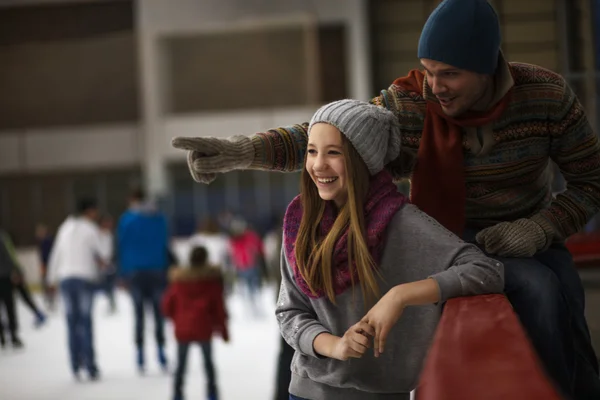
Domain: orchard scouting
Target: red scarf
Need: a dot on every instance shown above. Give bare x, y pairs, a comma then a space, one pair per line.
383, 201
438, 184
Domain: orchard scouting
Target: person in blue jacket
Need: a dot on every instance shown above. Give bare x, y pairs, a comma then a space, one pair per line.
143, 261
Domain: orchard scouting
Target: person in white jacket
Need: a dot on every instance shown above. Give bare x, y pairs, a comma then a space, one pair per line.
75, 263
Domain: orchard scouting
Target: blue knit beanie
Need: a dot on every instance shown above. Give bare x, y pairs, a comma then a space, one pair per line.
464, 34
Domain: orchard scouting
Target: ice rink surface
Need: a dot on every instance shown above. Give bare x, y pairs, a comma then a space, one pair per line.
245, 365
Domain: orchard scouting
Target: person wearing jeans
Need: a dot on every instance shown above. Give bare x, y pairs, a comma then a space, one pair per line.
143, 259
556, 324
147, 287
78, 297
75, 262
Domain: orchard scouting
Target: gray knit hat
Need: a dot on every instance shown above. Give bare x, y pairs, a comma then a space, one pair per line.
373, 131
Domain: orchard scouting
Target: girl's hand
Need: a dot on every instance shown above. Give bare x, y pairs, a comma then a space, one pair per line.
383, 316
354, 343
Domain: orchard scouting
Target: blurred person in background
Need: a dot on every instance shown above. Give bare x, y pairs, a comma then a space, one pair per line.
9, 273
109, 274
247, 256
143, 259
21, 286
76, 260
44, 246
272, 250
195, 303
224, 219
478, 133
216, 242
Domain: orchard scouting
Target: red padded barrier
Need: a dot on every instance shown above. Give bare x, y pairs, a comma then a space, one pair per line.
585, 248
480, 351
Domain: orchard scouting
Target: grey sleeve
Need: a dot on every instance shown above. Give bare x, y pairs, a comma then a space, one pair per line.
462, 268
297, 320
470, 273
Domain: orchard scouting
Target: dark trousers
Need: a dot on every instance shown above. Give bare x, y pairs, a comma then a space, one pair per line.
79, 298
7, 301
209, 368
147, 288
547, 294
108, 287
23, 290
284, 371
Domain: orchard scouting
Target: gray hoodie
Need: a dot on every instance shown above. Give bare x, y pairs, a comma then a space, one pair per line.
417, 247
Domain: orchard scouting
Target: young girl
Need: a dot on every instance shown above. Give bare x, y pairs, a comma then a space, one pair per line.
349, 239
194, 301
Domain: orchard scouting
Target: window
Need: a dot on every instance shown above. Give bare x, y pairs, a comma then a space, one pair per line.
27, 200
67, 64
258, 68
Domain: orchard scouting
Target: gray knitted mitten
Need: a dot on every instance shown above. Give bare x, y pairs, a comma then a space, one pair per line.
521, 238
208, 156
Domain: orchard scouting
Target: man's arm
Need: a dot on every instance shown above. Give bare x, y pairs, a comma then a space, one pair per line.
406, 107
280, 149
283, 149
575, 148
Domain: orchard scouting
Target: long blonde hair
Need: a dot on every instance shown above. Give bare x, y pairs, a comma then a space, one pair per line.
314, 254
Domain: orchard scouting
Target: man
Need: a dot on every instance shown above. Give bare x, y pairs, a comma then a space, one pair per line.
143, 260
477, 136
75, 262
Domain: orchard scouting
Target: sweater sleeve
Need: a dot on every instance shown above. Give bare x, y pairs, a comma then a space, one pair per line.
575, 148
297, 320
280, 149
470, 273
459, 268
283, 149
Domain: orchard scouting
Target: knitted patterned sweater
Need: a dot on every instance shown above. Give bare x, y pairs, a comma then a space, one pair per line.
507, 171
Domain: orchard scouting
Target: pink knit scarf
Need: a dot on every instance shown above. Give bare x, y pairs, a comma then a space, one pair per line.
383, 201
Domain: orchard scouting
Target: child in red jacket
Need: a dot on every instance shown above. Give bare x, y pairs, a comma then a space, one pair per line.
194, 301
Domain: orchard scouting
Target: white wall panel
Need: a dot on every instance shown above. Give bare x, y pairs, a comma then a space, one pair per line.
227, 124
9, 152
84, 147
